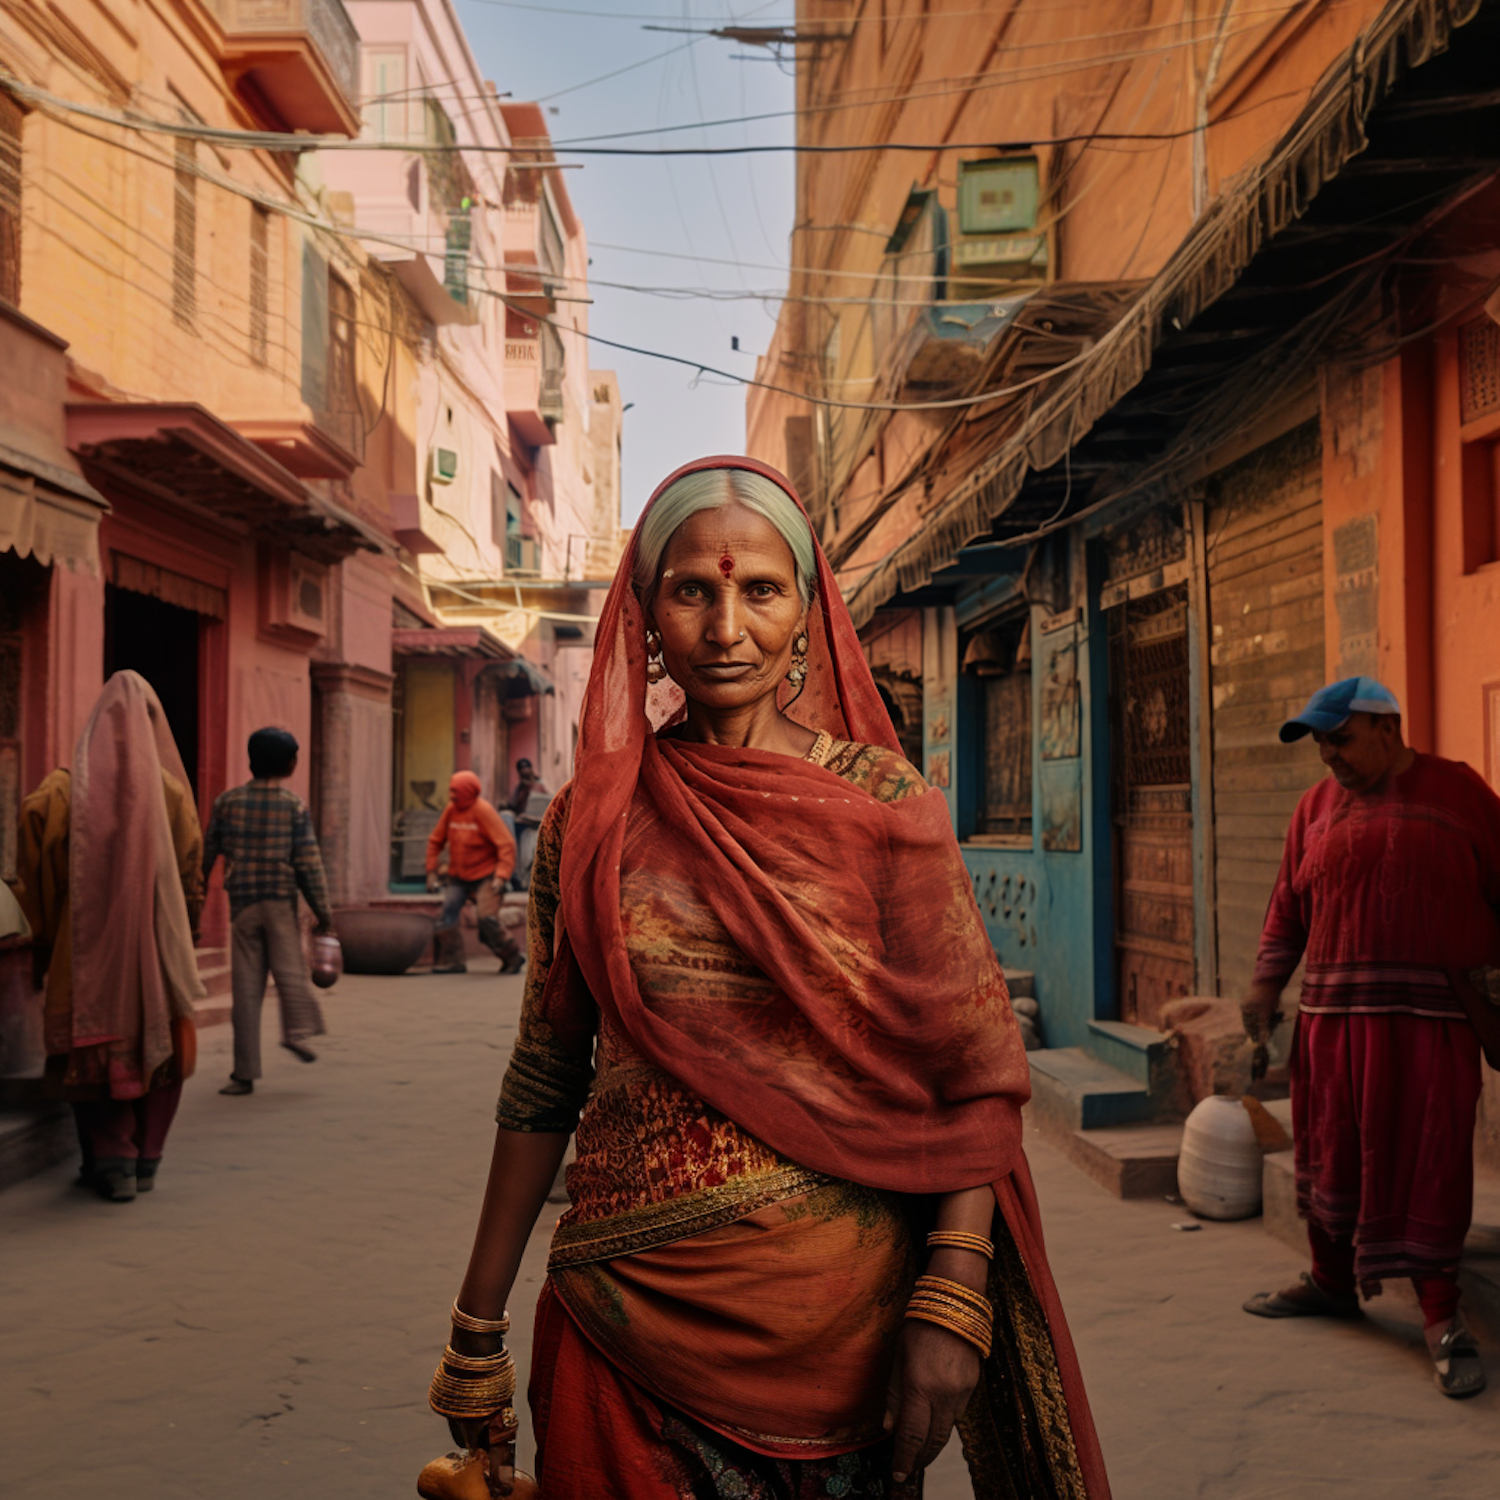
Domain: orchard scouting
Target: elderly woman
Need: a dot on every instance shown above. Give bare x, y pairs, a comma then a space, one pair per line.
802, 1241
109, 858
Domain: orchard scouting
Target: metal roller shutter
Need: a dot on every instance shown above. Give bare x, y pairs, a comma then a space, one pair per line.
1264, 543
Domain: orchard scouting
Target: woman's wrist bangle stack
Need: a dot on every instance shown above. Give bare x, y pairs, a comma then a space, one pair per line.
960, 1239
471, 1324
468, 1385
959, 1309
474, 1385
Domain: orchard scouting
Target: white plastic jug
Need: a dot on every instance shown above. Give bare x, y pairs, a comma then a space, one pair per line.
1219, 1168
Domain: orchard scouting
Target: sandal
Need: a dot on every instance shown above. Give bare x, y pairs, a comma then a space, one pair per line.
1308, 1300
1459, 1372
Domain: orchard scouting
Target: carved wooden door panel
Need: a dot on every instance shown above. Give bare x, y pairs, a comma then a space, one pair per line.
1153, 803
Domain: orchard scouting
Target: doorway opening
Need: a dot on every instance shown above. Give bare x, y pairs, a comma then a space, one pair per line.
162, 642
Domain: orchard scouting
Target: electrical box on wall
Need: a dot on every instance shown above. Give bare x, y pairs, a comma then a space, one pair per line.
1001, 239
294, 598
442, 465
998, 196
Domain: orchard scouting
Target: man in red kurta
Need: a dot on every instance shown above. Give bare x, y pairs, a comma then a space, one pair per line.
1390, 882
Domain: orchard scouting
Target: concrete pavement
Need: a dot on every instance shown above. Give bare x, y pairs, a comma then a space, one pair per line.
265, 1323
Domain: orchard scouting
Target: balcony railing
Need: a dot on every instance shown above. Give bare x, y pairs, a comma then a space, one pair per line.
264, 37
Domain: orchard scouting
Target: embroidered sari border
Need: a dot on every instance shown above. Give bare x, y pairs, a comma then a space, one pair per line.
653, 1224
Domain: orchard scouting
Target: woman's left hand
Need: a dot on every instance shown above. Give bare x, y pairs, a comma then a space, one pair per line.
933, 1376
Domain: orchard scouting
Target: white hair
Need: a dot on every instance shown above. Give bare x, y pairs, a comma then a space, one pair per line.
711, 489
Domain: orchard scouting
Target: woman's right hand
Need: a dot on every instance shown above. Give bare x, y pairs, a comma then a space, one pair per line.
495, 1436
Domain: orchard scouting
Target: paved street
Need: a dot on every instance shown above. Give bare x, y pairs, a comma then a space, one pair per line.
265, 1323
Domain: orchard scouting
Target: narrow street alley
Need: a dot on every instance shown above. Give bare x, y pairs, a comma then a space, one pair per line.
265, 1323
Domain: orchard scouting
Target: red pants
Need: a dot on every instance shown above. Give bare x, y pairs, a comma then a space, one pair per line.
126, 1129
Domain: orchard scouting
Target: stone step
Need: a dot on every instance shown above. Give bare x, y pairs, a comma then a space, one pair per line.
1081, 1093
1130, 1161
1479, 1273
1139, 1052
31, 1140
214, 970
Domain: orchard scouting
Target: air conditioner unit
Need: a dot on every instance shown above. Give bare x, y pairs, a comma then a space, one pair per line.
294, 597
442, 465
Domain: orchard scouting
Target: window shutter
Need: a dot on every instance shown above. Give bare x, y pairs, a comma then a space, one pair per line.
314, 328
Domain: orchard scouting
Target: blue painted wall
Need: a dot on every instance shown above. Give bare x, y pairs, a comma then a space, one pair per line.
1047, 911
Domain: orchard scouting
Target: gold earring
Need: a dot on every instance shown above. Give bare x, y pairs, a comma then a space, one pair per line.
655, 671
799, 661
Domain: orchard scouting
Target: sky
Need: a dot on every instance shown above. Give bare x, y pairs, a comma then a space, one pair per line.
736, 210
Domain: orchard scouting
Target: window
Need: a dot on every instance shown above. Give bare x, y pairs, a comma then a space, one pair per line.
341, 373
185, 236
456, 256
999, 658
10, 200
1479, 414
260, 283
515, 551
551, 403
314, 328
551, 248
386, 95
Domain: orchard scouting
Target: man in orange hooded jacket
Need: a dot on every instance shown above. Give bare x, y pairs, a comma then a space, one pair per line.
481, 856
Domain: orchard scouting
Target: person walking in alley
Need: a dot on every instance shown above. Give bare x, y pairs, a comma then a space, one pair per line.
522, 815
802, 1239
265, 834
108, 859
1390, 890
481, 856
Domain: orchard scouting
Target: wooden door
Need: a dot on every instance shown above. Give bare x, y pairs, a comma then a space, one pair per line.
1153, 803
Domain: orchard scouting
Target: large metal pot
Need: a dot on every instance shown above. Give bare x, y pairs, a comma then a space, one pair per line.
382, 942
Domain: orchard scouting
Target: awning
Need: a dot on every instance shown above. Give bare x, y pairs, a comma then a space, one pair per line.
48, 510
183, 454
522, 678
1331, 131
451, 640
48, 513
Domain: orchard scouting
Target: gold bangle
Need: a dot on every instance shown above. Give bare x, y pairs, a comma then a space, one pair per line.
964, 1331
484, 1364
946, 1288
934, 1301
960, 1239
449, 1396
471, 1324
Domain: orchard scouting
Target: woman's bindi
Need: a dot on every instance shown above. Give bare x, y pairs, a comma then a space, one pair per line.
726, 565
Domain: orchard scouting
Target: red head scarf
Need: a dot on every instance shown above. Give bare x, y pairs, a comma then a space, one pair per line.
886, 1052
464, 789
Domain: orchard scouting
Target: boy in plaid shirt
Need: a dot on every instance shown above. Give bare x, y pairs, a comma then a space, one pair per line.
266, 836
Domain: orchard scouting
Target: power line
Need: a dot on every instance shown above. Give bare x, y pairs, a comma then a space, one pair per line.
281, 141
512, 302
954, 403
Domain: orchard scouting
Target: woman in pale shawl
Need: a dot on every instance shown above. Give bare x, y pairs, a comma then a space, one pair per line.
109, 862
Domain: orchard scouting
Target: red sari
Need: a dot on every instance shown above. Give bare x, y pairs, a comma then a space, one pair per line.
803, 1037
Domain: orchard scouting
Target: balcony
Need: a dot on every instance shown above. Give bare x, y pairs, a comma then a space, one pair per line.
294, 62
525, 383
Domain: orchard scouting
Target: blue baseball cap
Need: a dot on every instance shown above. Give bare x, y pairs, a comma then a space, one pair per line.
1330, 707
